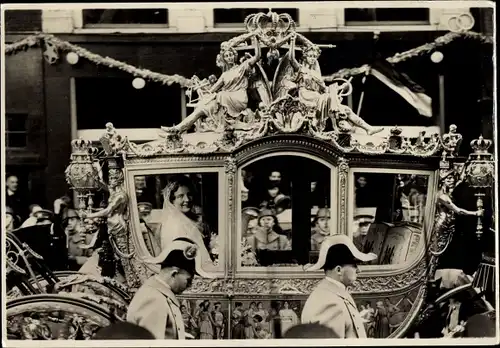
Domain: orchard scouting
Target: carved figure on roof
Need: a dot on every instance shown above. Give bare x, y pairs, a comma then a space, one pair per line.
313, 92
227, 100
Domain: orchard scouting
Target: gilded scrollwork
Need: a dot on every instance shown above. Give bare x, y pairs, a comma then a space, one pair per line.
50, 317
343, 172
203, 285
230, 168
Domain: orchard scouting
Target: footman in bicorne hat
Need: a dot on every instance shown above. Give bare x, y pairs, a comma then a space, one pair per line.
155, 305
330, 303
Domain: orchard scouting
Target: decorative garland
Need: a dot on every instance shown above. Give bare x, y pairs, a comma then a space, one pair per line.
35, 40
414, 52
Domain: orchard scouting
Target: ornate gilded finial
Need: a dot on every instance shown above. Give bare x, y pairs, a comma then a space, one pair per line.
81, 146
479, 174
481, 146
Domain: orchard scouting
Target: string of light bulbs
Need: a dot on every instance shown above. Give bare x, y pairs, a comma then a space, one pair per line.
74, 52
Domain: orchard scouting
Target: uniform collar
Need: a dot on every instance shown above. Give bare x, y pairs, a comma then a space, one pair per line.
341, 290
336, 283
164, 288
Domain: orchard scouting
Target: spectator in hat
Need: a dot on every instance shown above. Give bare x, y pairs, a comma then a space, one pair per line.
250, 220
330, 304
321, 228
363, 219
267, 235
14, 199
47, 237
11, 221
31, 220
155, 305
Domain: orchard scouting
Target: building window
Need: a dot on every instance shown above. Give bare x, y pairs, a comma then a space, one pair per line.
234, 17
23, 20
386, 16
150, 17
108, 99
16, 130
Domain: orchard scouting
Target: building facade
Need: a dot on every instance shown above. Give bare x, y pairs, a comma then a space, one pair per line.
48, 105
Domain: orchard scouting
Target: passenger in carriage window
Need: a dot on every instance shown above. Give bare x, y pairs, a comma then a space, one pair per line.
268, 235
363, 194
320, 229
180, 192
318, 197
274, 187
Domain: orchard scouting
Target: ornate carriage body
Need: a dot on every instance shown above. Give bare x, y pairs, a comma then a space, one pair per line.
282, 137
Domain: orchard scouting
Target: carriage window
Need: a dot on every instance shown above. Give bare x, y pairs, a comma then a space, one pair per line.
285, 210
388, 214
192, 209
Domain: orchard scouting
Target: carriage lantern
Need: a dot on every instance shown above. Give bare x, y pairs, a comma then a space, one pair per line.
479, 173
83, 173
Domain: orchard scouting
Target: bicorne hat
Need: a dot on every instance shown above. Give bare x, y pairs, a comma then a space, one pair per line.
184, 254
339, 249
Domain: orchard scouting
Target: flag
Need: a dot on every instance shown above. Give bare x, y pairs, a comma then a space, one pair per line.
403, 85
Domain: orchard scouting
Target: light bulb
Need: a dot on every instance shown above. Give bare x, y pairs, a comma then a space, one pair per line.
138, 83
72, 58
437, 57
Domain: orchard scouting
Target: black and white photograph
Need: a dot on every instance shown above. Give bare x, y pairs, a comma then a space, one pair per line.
287, 172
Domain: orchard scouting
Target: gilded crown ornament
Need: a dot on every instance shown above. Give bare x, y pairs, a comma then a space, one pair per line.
481, 146
84, 174
81, 146
479, 174
480, 164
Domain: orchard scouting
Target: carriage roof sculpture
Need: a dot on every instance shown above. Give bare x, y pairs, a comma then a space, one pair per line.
242, 115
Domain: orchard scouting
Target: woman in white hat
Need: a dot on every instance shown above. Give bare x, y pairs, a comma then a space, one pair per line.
155, 305
330, 304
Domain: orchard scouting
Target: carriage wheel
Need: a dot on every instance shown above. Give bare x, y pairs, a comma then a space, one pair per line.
101, 290
50, 317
